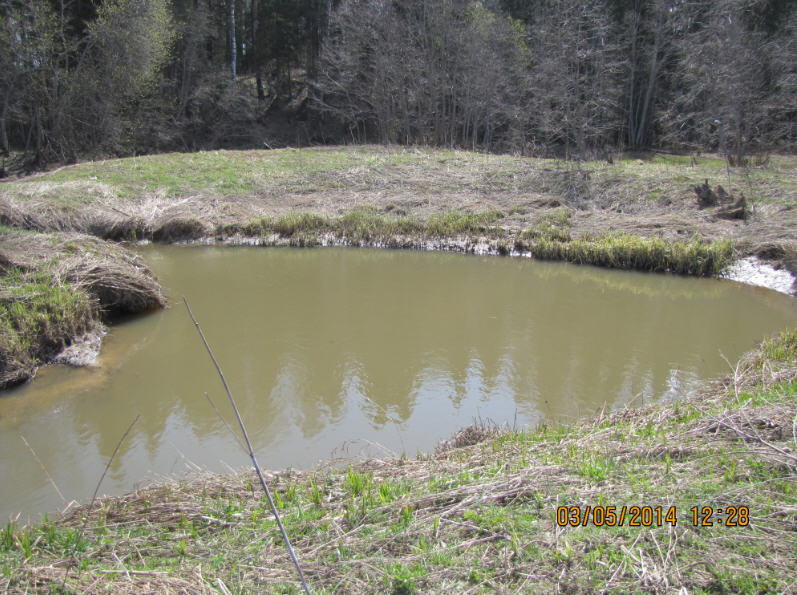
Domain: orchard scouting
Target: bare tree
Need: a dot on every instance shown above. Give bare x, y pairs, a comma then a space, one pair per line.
492, 97
722, 80
782, 102
233, 46
415, 71
647, 40
575, 77
70, 93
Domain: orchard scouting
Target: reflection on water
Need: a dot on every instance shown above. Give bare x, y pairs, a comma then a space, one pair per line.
397, 348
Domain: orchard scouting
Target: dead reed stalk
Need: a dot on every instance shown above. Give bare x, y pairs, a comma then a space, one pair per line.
251, 452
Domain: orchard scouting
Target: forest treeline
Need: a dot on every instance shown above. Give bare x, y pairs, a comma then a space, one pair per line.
574, 78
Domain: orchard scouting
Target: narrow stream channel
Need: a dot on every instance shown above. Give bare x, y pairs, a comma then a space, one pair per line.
339, 352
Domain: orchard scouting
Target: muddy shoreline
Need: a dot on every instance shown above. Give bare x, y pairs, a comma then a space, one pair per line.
120, 282
74, 230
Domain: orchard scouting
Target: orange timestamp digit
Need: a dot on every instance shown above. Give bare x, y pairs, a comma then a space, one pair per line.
730, 516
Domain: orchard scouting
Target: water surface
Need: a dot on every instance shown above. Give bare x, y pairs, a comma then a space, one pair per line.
335, 352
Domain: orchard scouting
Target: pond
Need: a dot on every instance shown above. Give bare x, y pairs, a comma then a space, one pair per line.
344, 352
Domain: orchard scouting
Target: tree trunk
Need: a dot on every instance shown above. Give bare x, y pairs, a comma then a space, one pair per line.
632, 112
233, 45
740, 135
38, 136
261, 95
3, 136
653, 75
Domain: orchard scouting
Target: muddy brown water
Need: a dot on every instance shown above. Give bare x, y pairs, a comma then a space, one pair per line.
345, 352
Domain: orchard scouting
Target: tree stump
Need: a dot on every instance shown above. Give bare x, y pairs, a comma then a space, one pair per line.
736, 210
729, 207
706, 197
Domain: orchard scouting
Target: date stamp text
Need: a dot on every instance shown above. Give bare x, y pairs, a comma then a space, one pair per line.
650, 516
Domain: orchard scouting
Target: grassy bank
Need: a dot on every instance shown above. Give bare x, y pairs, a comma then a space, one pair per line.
367, 225
638, 214
421, 172
38, 319
55, 287
478, 515
466, 231
551, 239
403, 196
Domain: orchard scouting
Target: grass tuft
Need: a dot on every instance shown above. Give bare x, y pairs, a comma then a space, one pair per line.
38, 318
551, 226
454, 223
782, 348
367, 225
625, 251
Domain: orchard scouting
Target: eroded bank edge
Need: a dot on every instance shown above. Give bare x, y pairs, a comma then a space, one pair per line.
104, 279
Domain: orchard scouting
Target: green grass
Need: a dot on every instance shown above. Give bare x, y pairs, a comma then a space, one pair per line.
395, 196
482, 517
549, 239
782, 348
373, 168
625, 251
225, 173
38, 318
454, 223
367, 225
551, 226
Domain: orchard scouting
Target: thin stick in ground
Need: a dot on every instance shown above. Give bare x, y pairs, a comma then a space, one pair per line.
94, 499
251, 452
47, 473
